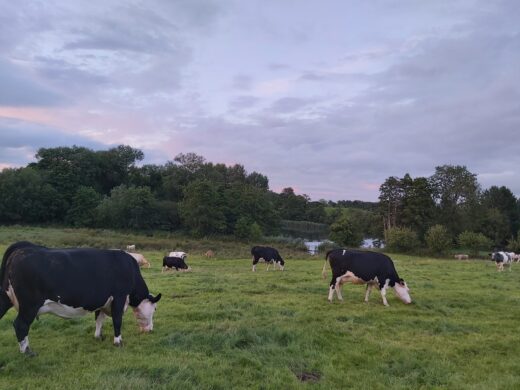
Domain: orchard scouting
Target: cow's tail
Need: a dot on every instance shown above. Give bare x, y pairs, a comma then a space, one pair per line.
324, 271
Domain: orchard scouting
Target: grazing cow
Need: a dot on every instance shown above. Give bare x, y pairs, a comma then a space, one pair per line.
502, 259
209, 254
171, 262
141, 260
370, 268
180, 254
267, 254
130, 248
462, 257
70, 283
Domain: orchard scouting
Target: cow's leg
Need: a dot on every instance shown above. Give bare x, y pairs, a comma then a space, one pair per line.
255, 262
338, 288
100, 318
383, 293
21, 325
118, 309
5, 303
268, 265
367, 293
331, 289
331, 293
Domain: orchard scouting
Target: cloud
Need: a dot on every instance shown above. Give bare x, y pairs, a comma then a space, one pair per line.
19, 87
19, 141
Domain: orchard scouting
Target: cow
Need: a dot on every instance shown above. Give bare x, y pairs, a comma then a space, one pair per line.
130, 248
269, 255
182, 255
140, 259
462, 257
502, 259
70, 283
171, 262
209, 254
364, 267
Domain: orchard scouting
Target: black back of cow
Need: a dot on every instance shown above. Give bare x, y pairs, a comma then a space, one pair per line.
365, 265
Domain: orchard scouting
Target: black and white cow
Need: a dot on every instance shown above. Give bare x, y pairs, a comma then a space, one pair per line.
70, 283
502, 259
171, 262
269, 255
360, 267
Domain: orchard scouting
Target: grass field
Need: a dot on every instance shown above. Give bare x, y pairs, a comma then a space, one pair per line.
225, 327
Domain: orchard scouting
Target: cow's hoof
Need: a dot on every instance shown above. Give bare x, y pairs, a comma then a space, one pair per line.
100, 338
30, 353
119, 345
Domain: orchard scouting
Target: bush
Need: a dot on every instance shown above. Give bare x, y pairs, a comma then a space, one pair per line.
246, 230
474, 242
401, 240
438, 240
514, 244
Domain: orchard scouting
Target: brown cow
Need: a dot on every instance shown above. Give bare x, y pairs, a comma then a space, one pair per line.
462, 257
140, 259
209, 254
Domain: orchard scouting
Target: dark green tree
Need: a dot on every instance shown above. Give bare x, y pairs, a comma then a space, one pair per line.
82, 211
202, 208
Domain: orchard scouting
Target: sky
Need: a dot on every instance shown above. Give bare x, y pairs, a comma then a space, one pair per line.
329, 97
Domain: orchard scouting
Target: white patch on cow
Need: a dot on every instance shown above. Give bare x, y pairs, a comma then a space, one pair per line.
254, 267
61, 310
337, 287
24, 344
403, 292
118, 340
383, 292
281, 266
99, 324
12, 296
344, 251
144, 315
64, 311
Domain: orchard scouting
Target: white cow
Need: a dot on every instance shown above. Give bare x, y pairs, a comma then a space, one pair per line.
130, 248
179, 254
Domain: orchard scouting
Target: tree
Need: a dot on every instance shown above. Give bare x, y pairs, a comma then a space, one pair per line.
391, 200
344, 232
128, 207
504, 201
438, 240
83, 207
202, 209
26, 197
247, 230
456, 193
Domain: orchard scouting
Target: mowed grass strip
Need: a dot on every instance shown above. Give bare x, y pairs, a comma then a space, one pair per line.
223, 326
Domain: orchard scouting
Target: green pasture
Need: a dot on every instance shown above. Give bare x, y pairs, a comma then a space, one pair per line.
225, 327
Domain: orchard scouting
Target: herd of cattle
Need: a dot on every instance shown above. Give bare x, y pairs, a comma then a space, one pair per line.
38, 280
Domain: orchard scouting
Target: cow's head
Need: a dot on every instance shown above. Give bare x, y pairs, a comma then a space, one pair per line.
402, 291
144, 312
183, 265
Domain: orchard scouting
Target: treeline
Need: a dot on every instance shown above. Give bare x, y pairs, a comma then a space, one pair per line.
444, 211
79, 187
448, 209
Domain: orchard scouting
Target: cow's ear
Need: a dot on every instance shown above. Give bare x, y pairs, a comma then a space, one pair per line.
156, 299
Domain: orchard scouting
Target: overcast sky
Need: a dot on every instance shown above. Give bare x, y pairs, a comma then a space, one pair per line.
330, 97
